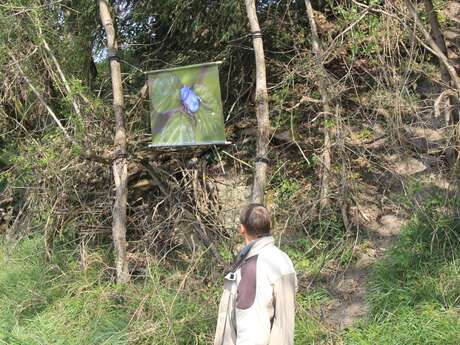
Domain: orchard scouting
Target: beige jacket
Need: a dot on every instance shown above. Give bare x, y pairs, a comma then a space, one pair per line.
258, 303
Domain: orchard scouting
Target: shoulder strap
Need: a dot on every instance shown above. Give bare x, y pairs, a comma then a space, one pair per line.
241, 256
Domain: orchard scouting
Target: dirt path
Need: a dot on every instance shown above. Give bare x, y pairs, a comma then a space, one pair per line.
378, 215
348, 288
380, 223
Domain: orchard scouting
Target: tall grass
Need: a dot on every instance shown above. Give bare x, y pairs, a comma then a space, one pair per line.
60, 303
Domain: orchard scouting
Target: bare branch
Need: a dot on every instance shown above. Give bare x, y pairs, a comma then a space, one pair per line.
325, 98
42, 100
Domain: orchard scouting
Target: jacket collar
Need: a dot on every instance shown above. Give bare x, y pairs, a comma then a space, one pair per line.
251, 249
257, 245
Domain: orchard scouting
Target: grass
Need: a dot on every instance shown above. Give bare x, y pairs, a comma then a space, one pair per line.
59, 303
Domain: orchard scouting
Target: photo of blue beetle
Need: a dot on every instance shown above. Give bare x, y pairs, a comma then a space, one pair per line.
190, 100
185, 106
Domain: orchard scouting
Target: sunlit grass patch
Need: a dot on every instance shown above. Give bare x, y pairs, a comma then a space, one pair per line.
427, 324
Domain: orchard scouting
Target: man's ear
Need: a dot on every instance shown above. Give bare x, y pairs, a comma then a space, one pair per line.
243, 229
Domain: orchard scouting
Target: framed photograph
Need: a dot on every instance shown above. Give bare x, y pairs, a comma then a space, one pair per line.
185, 106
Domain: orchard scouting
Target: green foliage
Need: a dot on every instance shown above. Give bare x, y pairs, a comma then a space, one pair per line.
225, 253
329, 123
416, 265
365, 133
326, 245
297, 253
287, 188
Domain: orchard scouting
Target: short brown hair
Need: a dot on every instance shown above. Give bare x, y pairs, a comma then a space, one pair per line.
256, 220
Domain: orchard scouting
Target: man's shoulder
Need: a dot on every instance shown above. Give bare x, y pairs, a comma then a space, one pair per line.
275, 262
274, 251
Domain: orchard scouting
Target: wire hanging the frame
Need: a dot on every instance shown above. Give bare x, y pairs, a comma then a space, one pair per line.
256, 34
113, 54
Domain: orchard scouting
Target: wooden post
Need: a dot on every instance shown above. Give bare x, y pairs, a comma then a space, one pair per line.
323, 90
262, 110
120, 163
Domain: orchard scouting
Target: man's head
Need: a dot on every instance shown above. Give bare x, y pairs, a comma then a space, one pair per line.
255, 221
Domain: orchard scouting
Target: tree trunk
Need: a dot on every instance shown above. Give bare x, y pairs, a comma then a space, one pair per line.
437, 34
439, 39
323, 90
120, 163
262, 110
434, 48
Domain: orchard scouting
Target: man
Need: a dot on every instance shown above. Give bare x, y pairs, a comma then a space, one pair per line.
258, 303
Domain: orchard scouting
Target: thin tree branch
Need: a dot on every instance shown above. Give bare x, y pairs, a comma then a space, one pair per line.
88, 153
42, 101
